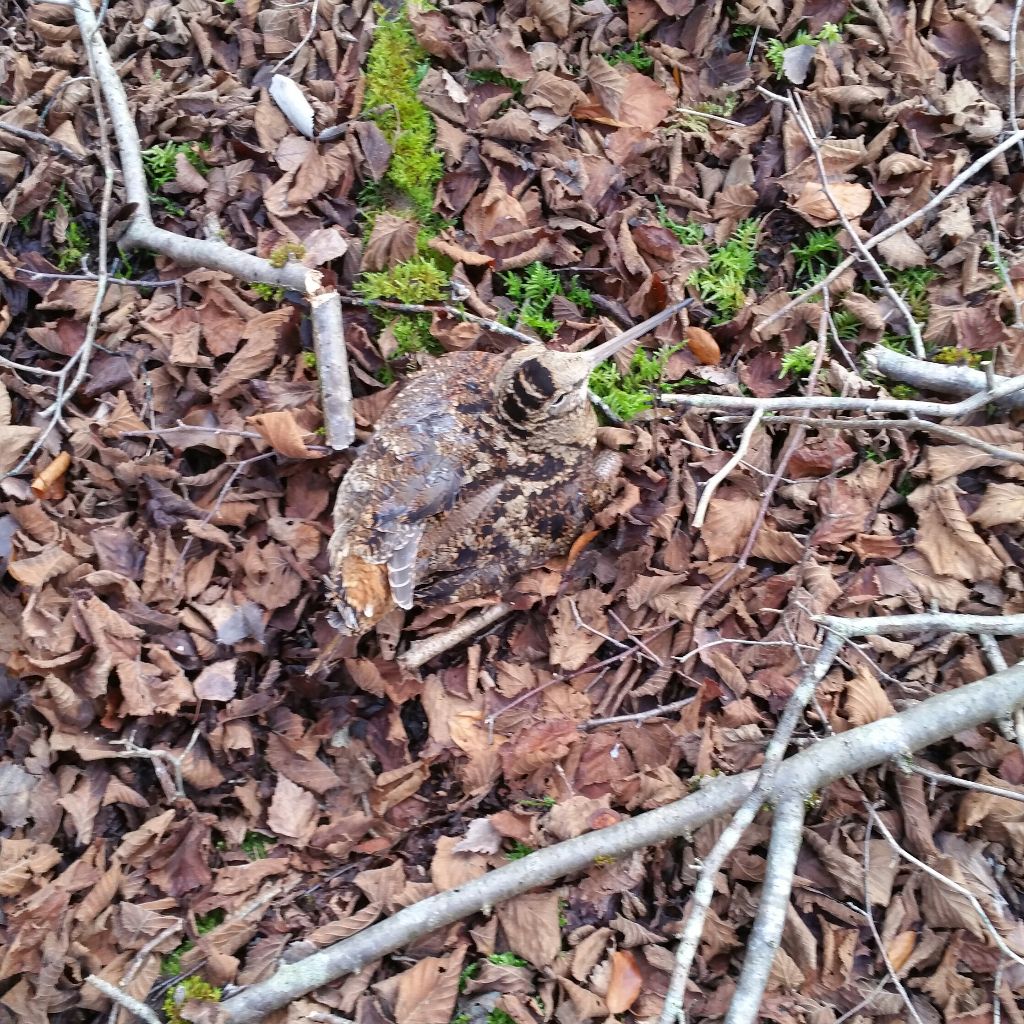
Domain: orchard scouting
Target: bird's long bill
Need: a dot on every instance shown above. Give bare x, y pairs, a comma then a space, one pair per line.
609, 348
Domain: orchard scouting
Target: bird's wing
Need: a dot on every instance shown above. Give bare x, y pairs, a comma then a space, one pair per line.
411, 470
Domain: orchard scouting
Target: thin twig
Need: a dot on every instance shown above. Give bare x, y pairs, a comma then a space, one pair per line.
710, 117
1012, 90
787, 833
798, 112
737, 457
945, 880
640, 716
674, 1008
869, 917
141, 232
132, 749
31, 136
871, 243
1006, 794
122, 999
909, 425
305, 39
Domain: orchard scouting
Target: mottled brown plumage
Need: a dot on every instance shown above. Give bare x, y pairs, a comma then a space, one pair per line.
483, 467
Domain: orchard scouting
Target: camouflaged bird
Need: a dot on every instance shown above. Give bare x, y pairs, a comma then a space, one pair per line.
483, 467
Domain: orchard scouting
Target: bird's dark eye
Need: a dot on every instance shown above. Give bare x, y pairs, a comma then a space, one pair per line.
560, 402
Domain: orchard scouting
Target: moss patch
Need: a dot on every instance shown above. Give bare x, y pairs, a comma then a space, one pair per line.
394, 69
395, 66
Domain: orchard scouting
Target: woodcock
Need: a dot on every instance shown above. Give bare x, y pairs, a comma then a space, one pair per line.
483, 467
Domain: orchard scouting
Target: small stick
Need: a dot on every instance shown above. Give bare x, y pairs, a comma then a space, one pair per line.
332, 368
737, 457
420, 652
910, 425
119, 996
31, 136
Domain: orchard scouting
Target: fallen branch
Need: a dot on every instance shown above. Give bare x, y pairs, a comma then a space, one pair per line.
787, 836
142, 233
1008, 386
937, 377
929, 722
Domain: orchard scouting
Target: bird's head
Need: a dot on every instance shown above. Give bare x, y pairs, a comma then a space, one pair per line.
538, 384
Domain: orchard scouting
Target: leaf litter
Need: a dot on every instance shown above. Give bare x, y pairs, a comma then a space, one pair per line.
166, 583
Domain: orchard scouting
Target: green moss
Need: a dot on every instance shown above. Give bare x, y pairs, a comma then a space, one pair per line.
819, 254
722, 284
534, 289
636, 57
160, 163
519, 851
286, 251
847, 325
799, 361
628, 396
689, 233
417, 280
412, 333
952, 356
267, 292
394, 69
775, 49
507, 960
194, 988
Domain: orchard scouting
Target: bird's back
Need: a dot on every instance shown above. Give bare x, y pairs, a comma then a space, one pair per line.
443, 503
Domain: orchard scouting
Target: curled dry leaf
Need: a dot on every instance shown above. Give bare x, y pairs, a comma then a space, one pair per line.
626, 982
814, 205
283, 433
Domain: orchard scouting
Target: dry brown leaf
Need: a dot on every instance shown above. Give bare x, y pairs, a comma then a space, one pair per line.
1002, 503
263, 339
392, 241
428, 990
816, 207
947, 539
899, 949
293, 812
626, 982
866, 701
530, 923
282, 432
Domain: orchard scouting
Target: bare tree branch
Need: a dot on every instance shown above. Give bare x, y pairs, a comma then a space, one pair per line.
944, 380
928, 722
763, 944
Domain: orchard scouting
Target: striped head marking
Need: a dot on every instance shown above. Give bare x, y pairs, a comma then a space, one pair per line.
537, 385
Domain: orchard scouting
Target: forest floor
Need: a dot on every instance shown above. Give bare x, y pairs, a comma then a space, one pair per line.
566, 169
